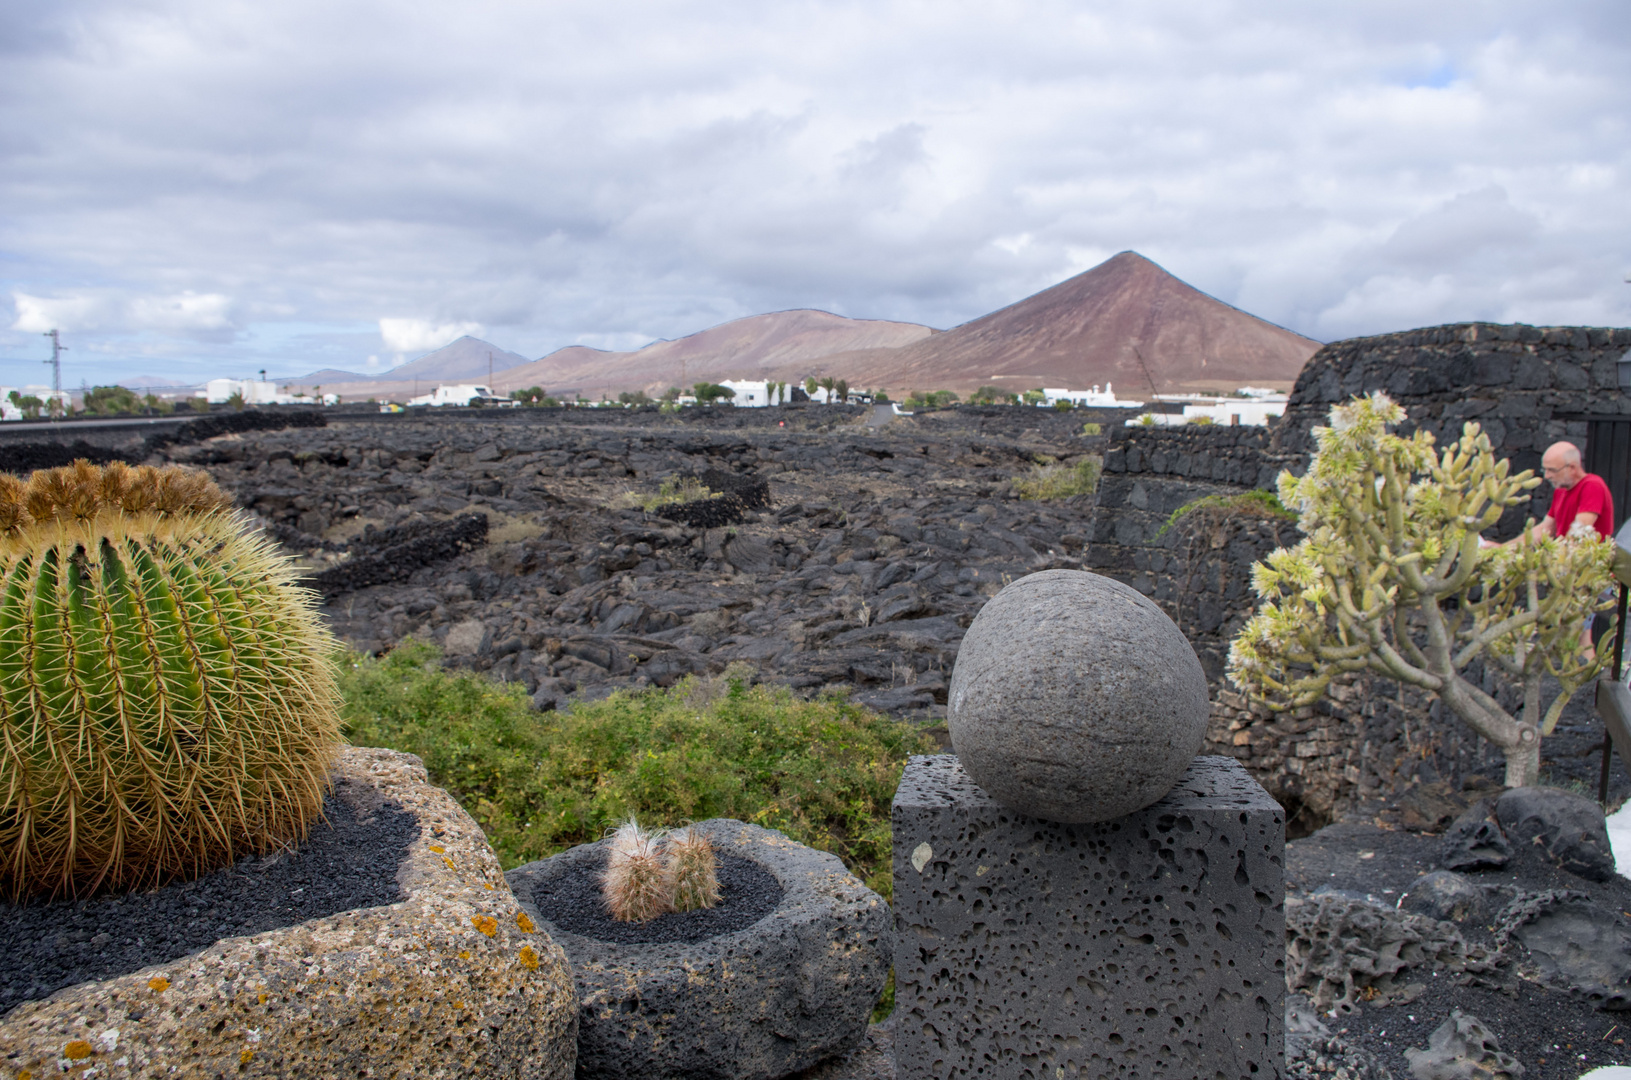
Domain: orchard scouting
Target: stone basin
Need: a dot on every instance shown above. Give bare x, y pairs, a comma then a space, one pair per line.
757, 1002
453, 980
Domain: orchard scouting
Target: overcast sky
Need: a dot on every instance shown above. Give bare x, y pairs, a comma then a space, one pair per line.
207, 187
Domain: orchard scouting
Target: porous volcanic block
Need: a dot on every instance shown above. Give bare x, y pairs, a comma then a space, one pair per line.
758, 1003
452, 981
1150, 946
1075, 699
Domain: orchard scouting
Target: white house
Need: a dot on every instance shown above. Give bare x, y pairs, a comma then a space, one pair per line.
8, 411
254, 391
1227, 412
1091, 399
459, 394
749, 393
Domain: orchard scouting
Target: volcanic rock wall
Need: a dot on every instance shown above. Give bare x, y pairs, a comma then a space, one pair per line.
1367, 738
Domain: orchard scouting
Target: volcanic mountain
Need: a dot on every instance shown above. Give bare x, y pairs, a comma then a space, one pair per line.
467, 360
1126, 321
783, 344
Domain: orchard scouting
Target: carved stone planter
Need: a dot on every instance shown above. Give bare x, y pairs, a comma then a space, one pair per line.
452, 981
759, 1001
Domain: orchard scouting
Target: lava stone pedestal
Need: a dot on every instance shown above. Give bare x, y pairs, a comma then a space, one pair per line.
754, 994
1149, 945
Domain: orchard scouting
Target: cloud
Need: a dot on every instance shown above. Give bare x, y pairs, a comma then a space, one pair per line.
184, 312
544, 175
421, 335
40, 314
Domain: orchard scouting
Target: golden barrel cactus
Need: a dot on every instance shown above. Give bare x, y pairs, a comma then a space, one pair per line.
166, 699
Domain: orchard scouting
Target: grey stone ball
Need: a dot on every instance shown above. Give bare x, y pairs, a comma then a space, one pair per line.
1075, 699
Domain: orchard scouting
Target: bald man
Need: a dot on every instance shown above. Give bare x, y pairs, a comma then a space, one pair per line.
1580, 500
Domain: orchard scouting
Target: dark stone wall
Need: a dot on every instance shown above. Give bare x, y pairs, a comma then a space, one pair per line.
1516, 381
1369, 738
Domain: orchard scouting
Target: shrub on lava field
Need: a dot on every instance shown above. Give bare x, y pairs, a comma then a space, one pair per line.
823, 772
166, 700
1060, 481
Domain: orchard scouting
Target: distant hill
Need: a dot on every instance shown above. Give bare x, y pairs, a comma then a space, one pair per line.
760, 346
1126, 322
463, 361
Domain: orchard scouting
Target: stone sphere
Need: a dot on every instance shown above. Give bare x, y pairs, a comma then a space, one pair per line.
1075, 699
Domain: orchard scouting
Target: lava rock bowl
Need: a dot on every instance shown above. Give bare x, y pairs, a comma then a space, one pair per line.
782, 974
441, 975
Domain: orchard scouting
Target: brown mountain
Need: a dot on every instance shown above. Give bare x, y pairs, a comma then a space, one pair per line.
779, 345
1126, 322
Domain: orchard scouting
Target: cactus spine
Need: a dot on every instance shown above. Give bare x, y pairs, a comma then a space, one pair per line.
166, 701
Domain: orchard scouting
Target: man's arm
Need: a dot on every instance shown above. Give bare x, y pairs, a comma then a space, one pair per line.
1543, 528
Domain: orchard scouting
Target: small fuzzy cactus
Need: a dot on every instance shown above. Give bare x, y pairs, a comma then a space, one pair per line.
636, 883
166, 701
694, 870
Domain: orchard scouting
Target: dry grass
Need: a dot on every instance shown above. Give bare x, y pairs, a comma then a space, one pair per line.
1048, 481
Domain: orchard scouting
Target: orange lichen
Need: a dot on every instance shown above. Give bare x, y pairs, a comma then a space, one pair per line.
246, 1057
448, 861
78, 1050
525, 923
464, 954
261, 997
486, 924
158, 984
437, 848
529, 958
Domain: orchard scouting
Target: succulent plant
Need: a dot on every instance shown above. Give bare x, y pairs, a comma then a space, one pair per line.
636, 883
166, 701
693, 869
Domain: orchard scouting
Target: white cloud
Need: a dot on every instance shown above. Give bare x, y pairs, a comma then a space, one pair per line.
572, 172
39, 314
182, 312
186, 311
422, 335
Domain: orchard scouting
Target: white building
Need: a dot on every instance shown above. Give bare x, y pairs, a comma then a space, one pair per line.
1227, 412
254, 391
1090, 399
460, 394
749, 393
8, 411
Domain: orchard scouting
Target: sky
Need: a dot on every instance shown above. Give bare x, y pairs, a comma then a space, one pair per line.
199, 188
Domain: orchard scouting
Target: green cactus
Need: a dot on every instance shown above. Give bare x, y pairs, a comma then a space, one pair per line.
166, 701
1392, 577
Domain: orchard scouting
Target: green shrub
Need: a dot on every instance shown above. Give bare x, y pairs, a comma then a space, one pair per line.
1258, 502
823, 772
1092, 429
1060, 481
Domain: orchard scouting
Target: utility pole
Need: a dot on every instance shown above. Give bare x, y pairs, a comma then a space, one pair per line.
489, 371
57, 349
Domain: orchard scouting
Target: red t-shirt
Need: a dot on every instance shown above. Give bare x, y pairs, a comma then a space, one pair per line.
1589, 496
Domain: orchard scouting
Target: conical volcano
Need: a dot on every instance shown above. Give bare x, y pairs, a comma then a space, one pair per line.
1126, 321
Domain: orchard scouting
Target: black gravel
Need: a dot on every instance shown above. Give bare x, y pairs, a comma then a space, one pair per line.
573, 903
344, 864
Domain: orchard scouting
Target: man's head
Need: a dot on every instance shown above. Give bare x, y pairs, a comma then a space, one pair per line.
1562, 466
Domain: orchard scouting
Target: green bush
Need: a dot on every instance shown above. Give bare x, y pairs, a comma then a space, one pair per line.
823, 771
1092, 429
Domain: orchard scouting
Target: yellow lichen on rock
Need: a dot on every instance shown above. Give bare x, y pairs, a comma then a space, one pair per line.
383, 983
